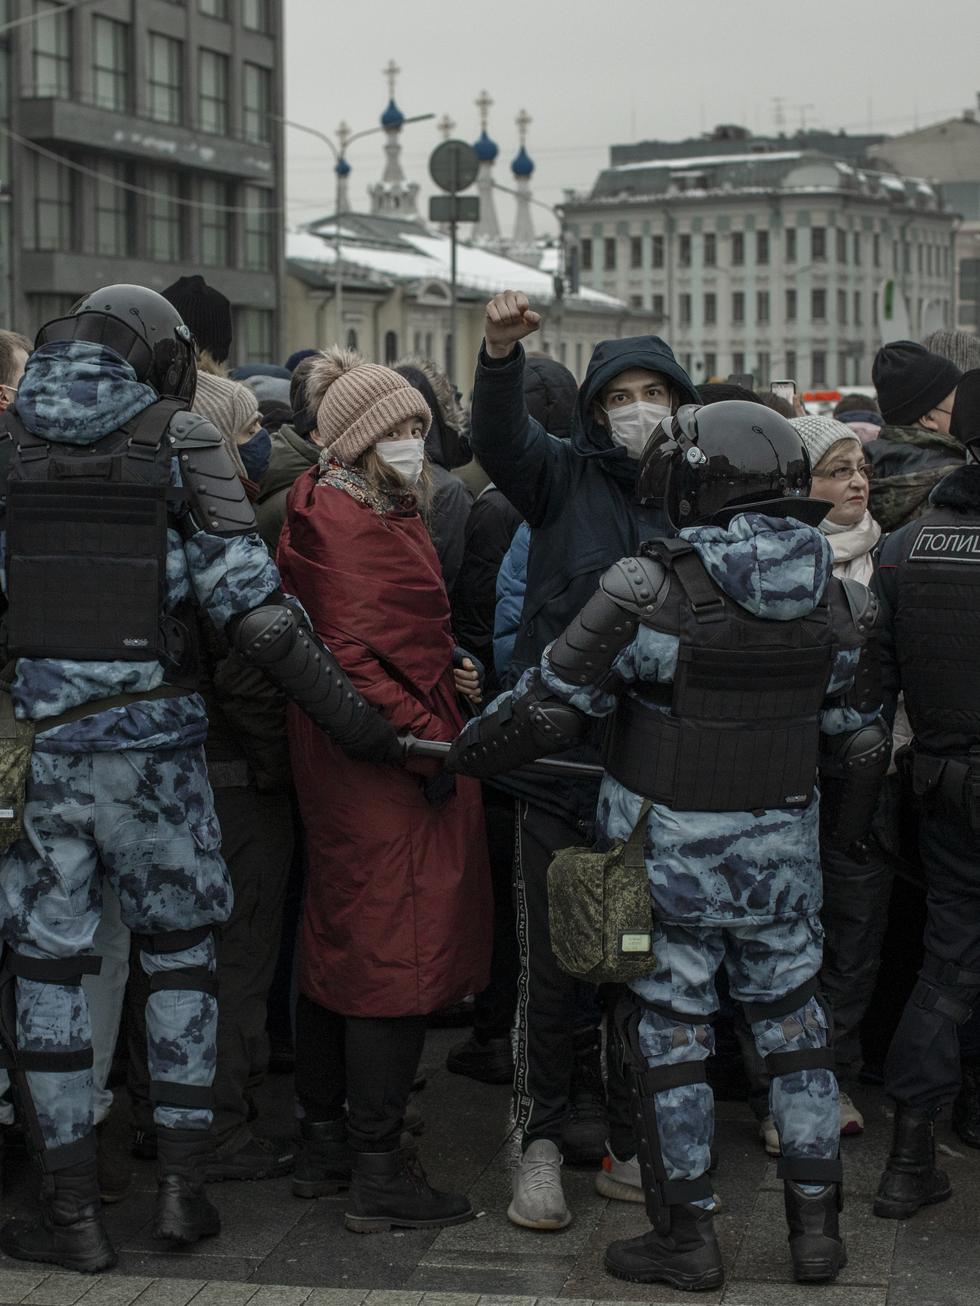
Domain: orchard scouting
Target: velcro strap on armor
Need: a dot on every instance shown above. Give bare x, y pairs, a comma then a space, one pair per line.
927, 997
68, 1154
678, 1192
661, 1078
948, 972
784, 1006
193, 978
60, 1063
789, 1063
810, 1169
175, 940
681, 1017
51, 970
195, 1097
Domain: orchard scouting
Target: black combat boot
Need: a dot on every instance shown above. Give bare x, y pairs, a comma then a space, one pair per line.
184, 1214
389, 1190
687, 1257
70, 1232
490, 1061
966, 1108
815, 1243
325, 1159
586, 1127
911, 1179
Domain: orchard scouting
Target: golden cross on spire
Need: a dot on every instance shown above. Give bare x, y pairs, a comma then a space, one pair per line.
391, 72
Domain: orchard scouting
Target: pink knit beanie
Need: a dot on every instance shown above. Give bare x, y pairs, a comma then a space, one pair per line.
358, 403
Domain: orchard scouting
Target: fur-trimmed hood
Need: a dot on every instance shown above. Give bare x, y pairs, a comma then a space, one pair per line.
959, 491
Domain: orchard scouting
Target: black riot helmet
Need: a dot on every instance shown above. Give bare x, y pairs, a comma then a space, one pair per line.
705, 465
139, 325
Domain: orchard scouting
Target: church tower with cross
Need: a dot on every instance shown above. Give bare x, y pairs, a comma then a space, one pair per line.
393, 196
522, 167
487, 230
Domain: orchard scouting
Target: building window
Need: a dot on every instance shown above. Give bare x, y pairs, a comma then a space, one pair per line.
876, 249
762, 247
856, 249
818, 305
969, 291
684, 308
257, 102
253, 336
762, 307
585, 254
113, 210
684, 250
738, 363
163, 221
710, 364
738, 248
636, 251
656, 251
578, 357
906, 256
791, 364
818, 244
54, 204
710, 249
215, 223
710, 309
609, 254
214, 8
841, 245
762, 366
110, 64
842, 367
790, 244
738, 307
918, 252
165, 82
636, 301
790, 305
842, 307
52, 50
818, 368
857, 308
258, 229
391, 347
657, 307
212, 92
256, 16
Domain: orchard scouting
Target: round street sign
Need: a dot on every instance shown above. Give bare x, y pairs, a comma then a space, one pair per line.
453, 166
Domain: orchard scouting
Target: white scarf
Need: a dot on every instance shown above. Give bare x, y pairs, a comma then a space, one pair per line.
852, 547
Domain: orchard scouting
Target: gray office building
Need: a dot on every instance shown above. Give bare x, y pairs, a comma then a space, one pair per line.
141, 140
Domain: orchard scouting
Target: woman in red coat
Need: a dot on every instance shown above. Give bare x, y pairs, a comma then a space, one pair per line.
397, 915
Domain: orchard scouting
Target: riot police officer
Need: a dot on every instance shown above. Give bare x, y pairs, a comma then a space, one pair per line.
929, 584
723, 656
121, 510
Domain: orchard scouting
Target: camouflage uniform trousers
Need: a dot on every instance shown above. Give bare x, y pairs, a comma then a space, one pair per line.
145, 820
765, 962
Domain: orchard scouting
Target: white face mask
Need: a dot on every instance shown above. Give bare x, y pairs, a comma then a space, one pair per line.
631, 425
406, 456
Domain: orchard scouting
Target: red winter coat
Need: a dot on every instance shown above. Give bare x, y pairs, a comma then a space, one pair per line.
398, 912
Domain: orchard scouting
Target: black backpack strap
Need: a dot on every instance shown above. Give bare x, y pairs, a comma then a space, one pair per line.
682, 558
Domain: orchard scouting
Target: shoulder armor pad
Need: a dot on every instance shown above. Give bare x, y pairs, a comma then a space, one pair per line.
860, 605
215, 495
638, 585
191, 431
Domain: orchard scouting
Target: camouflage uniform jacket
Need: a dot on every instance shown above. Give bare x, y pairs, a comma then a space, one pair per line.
908, 463
716, 868
74, 393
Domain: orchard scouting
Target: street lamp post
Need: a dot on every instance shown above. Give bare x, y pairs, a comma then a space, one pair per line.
345, 137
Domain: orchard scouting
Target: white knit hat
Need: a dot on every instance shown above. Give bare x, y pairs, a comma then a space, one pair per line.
821, 433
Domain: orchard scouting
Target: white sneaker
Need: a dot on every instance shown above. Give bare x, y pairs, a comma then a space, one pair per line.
851, 1119
619, 1180
770, 1136
539, 1202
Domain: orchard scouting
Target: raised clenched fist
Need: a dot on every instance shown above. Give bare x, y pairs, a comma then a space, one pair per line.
509, 318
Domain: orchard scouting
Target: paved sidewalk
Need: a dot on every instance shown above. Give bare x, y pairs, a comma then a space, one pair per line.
276, 1250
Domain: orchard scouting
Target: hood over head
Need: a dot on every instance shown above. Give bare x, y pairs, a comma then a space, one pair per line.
550, 392
445, 444
75, 392
773, 567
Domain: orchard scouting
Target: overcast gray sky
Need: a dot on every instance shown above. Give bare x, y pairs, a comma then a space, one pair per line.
595, 72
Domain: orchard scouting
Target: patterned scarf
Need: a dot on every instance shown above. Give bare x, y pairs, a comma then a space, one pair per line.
343, 476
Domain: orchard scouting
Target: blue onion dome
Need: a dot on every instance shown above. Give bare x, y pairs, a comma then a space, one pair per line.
523, 164
485, 148
343, 168
392, 116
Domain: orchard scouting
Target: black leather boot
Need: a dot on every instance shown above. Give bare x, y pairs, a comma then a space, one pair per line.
325, 1159
687, 1257
586, 1127
389, 1190
815, 1243
910, 1179
184, 1213
70, 1232
966, 1108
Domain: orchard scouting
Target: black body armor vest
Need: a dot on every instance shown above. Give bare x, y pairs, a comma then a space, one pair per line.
937, 631
87, 542
743, 724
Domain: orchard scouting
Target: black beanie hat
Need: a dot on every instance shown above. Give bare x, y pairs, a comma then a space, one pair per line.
910, 381
206, 311
965, 422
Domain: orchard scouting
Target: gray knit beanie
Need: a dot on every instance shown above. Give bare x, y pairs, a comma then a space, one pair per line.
229, 406
960, 347
820, 434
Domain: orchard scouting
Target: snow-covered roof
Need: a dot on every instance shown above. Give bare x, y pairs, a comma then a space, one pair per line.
708, 161
423, 255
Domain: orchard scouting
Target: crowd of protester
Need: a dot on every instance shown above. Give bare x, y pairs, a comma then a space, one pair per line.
437, 553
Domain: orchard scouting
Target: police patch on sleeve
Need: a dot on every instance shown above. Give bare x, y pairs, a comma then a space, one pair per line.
946, 544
